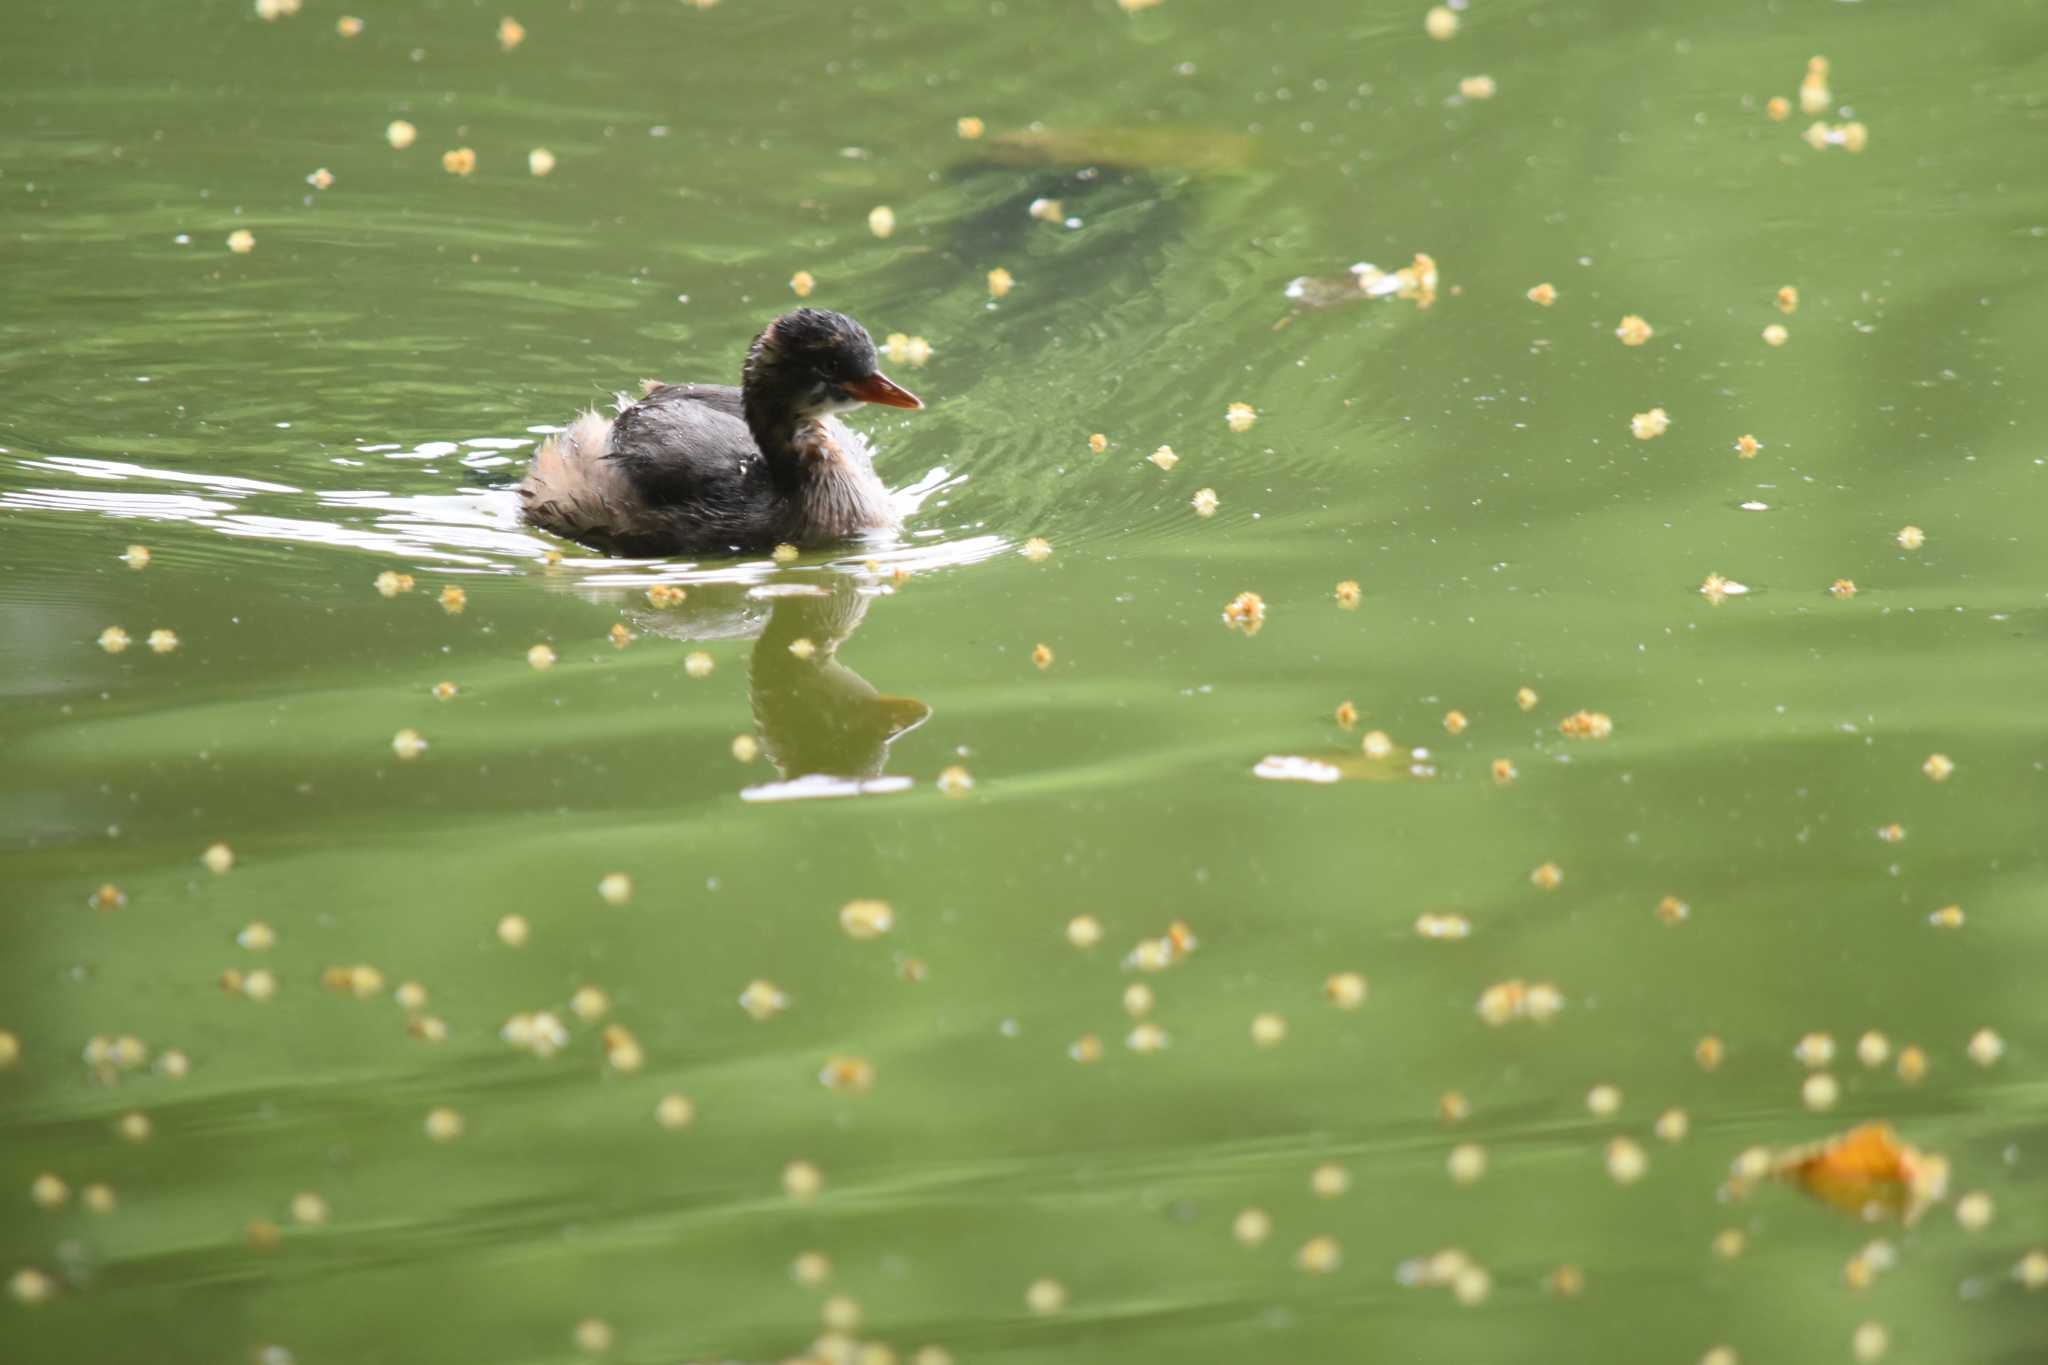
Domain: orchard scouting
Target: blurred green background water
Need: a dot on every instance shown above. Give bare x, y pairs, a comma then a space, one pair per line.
355, 394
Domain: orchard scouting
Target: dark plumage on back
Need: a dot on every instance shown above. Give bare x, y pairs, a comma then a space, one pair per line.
707, 469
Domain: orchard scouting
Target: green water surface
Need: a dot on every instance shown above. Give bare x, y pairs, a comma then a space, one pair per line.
357, 393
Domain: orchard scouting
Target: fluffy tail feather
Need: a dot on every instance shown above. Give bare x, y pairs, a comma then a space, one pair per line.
570, 488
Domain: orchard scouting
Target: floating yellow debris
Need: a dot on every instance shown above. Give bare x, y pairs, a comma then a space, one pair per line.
1938, 767
746, 748
1466, 1163
1345, 990
400, 134
163, 641
902, 349
1084, 931
1320, 1255
445, 691
511, 33
1505, 1001
1546, 876
241, 241
665, 595
1747, 446
1146, 1038
1543, 295
1850, 137
1672, 1125
1086, 1049
1045, 1297
1986, 1047
1477, 87
31, 1286
801, 1180
1866, 1172
540, 161
1504, 771
1627, 1162
1246, 612
881, 220
1164, 457
1869, 1342
1586, 725
1894, 833
1048, 211
1098, 443
1948, 917
594, 1336
1037, 549
541, 657
1776, 335
1432, 924
1603, 1101
955, 781
969, 127
1843, 588
348, 26
1239, 417
461, 161
113, 639
48, 1191
1672, 910
1645, 426
1441, 23
408, 744
1717, 589
1815, 1050
1329, 1181
1455, 722
134, 1126
698, 664
847, 1074
616, 888
811, 1269
1453, 1107
1000, 282
1911, 537
866, 919
1814, 95
1975, 1211
1349, 594
1729, 1243
2031, 1270
391, 584
1251, 1227
513, 931
1912, 1066
1041, 655
1634, 330
1204, 502
802, 283
762, 1000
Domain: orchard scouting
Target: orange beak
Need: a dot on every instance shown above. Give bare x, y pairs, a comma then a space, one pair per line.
879, 388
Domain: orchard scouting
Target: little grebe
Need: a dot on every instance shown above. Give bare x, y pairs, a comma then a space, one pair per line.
706, 468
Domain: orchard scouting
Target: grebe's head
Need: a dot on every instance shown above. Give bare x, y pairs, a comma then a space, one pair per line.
812, 363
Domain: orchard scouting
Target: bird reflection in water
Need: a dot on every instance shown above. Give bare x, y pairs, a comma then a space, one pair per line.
825, 728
